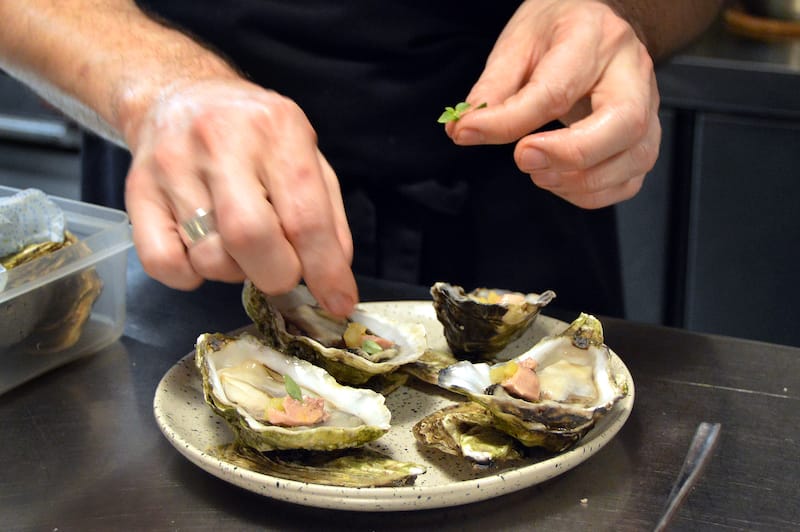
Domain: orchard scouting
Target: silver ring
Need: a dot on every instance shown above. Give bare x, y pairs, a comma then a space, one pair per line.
200, 226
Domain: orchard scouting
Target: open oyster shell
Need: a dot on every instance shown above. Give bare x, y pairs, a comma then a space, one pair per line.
578, 385
466, 429
294, 323
241, 375
480, 323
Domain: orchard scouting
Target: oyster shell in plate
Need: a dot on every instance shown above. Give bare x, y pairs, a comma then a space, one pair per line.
480, 323
256, 390
353, 349
551, 395
354, 468
466, 429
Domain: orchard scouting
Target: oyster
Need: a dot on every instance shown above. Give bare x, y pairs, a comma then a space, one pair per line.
352, 349
466, 429
49, 318
576, 382
247, 383
480, 323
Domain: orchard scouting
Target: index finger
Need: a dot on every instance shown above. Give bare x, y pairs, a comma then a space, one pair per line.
560, 78
302, 198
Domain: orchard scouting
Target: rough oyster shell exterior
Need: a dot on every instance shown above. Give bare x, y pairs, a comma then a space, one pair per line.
466, 429
352, 468
477, 329
50, 318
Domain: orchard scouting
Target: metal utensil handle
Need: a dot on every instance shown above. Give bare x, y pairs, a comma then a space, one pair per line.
700, 450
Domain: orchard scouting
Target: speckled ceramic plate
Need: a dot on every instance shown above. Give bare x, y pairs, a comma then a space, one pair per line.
191, 426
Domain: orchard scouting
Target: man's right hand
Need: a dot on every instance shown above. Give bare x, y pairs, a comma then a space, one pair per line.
249, 155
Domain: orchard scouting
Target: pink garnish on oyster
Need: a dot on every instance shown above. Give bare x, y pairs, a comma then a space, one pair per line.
309, 411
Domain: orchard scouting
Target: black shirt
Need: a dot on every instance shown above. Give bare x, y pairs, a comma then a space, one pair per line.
373, 77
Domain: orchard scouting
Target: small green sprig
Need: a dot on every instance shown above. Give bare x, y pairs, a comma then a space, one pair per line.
292, 388
371, 347
451, 114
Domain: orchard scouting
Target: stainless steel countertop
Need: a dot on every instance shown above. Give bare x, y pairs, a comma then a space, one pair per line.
82, 451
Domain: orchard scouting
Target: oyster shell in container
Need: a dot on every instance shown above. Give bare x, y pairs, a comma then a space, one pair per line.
352, 349
274, 401
482, 322
50, 318
551, 395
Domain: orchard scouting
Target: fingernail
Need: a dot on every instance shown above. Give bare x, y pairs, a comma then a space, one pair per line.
469, 136
533, 159
339, 304
547, 179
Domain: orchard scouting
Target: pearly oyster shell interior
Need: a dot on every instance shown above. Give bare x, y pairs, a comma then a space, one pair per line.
578, 385
240, 376
294, 323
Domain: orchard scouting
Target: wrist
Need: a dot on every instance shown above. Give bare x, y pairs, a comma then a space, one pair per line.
135, 98
626, 12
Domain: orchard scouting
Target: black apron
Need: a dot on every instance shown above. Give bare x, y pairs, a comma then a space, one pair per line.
373, 77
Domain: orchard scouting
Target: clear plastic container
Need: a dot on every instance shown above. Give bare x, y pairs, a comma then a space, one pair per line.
69, 303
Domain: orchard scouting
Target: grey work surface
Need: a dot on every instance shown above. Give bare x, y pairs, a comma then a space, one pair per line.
81, 449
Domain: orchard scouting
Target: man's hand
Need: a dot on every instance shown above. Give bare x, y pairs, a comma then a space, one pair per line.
251, 156
201, 137
578, 62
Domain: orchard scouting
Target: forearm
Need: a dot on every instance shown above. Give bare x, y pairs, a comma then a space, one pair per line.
101, 61
667, 26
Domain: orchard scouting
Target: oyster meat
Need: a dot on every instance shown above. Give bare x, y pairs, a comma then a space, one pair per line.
482, 322
551, 395
352, 349
275, 401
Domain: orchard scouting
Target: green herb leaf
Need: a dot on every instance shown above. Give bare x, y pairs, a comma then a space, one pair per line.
447, 116
451, 114
292, 388
371, 347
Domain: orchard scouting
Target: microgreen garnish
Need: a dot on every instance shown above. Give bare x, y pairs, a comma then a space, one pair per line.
451, 114
292, 388
371, 347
